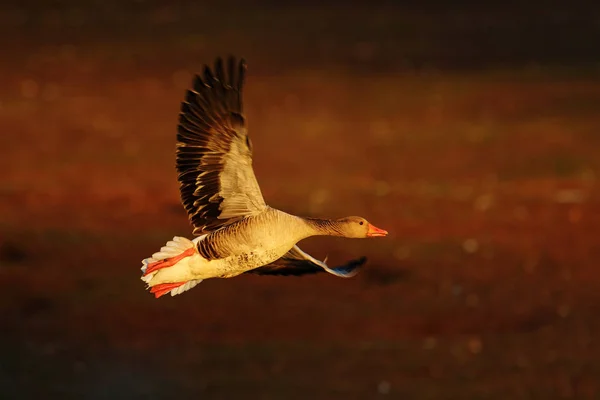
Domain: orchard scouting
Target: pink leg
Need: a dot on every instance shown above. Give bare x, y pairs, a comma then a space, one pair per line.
164, 288
168, 262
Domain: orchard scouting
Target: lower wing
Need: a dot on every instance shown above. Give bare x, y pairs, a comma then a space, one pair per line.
297, 262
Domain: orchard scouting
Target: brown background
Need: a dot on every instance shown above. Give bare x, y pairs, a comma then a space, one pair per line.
470, 132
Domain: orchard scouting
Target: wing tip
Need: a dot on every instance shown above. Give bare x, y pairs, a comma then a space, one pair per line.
350, 269
216, 72
216, 81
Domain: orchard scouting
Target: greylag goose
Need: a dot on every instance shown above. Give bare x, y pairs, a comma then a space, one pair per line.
237, 232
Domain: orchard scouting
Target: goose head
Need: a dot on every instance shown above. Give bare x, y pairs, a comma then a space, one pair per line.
358, 227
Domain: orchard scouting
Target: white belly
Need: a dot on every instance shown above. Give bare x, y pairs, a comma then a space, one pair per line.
237, 264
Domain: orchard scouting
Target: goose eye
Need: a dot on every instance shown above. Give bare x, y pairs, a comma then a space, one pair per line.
361, 222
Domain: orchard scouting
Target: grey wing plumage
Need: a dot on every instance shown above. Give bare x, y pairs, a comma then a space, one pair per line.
297, 262
214, 152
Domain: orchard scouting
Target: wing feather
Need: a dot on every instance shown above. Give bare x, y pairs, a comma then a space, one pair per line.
214, 154
297, 262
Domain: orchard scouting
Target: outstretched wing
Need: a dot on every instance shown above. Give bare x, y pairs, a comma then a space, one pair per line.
214, 152
297, 262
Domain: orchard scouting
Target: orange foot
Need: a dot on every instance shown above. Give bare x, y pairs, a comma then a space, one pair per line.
168, 262
164, 288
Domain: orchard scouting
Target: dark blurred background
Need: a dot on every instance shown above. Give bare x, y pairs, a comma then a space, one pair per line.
470, 131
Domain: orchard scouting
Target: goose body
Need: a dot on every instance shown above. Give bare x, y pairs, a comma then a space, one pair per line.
242, 246
237, 231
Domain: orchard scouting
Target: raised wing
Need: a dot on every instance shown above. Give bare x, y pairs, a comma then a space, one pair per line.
297, 262
214, 152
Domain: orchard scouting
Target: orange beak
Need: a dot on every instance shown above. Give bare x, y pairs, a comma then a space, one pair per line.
375, 231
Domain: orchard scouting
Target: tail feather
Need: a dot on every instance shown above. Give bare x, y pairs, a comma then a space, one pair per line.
186, 286
174, 248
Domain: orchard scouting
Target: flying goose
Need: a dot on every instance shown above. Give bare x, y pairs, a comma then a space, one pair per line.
237, 232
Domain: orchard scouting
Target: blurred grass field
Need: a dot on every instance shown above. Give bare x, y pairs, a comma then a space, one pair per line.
486, 180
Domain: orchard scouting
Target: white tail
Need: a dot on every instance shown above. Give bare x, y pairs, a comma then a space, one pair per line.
169, 256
